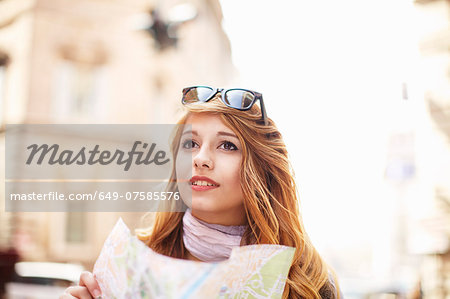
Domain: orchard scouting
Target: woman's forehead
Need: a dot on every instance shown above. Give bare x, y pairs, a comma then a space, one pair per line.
206, 122
205, 119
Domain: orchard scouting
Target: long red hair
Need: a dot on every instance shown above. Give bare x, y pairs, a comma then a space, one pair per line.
270, 200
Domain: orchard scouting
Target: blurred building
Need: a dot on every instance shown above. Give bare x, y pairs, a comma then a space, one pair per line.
92, 61
430, 233
416, 258
434, 49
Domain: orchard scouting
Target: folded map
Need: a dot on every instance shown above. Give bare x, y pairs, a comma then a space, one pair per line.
127, 268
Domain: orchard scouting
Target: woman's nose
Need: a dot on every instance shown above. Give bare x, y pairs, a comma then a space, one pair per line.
203, 159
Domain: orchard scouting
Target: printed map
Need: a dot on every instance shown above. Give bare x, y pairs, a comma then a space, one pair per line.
127, 268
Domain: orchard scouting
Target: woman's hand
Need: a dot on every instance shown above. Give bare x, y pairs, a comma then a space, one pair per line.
87, 288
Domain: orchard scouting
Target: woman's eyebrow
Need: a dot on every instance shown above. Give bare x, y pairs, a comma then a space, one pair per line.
222, 133
189, 132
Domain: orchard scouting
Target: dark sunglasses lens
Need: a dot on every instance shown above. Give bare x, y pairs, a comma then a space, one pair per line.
197, 94
239, 98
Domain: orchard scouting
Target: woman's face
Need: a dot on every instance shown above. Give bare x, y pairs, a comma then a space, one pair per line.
214, 154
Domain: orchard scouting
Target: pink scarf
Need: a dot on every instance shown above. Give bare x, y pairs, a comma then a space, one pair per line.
210, 242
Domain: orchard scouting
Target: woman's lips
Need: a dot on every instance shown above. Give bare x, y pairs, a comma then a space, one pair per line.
202, 187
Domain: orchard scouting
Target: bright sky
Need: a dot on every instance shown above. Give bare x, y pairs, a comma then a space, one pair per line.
331, 73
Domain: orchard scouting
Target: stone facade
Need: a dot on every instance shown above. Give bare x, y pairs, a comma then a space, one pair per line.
87, 61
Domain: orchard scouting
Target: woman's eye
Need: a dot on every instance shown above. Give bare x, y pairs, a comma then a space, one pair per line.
188, 144
229, 146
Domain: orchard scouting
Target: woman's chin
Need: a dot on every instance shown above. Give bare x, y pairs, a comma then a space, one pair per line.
204, 205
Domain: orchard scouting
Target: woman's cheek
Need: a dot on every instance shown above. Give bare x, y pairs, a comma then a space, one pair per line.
184, 174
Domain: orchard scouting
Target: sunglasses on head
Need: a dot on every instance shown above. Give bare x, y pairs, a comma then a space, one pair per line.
237, 98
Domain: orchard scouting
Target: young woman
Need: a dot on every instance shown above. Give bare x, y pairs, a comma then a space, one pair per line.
242, 192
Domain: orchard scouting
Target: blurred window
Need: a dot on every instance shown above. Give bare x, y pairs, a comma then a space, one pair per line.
78, 89
73, 236
76, 228
3, 63
2, 80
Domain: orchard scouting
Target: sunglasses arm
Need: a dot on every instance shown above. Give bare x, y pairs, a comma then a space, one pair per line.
263, 110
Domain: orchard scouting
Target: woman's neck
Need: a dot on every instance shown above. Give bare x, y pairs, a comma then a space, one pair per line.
232, 217
209, 242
